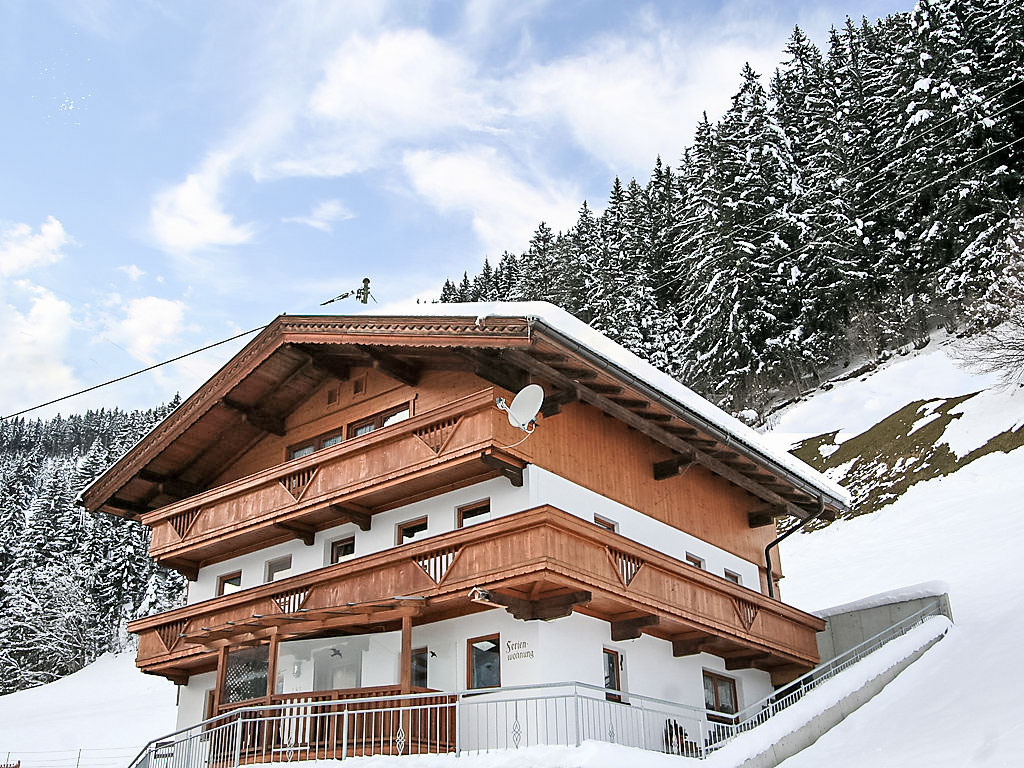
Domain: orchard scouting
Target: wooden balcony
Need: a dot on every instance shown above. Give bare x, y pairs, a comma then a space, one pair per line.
429, 453
540, 563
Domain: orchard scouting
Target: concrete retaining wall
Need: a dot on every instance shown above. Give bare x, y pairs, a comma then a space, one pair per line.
844, 631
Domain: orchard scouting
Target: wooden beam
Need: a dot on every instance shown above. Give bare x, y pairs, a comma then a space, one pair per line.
491, 368
299, 531
553, 403
631, 629
671, 467
655, 432
555, 607
172, 486
353, 513
763, 516
405, 373
787, 673
690, 646
256, 417
130, 507
747, 662
509, 470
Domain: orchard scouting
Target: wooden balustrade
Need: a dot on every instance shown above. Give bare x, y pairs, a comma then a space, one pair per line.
432, 451
512, 555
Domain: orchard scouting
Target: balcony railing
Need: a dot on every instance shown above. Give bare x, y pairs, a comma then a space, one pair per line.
541, 545
467, 722
406, 460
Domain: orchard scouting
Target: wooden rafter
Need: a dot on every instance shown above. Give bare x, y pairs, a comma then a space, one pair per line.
256, 417
655, 432
400, 371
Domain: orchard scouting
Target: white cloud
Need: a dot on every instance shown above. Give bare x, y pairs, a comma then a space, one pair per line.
631, 97
132, 270
189, 216
505, 208
33, 350
323, 215
146, 325
22, 249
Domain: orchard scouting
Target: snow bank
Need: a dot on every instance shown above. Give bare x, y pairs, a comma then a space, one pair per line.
913, 592
576, 330
107, 705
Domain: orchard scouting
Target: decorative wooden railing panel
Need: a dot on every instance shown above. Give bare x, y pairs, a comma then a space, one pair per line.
436, 564
544, 545
292, 600
369, 469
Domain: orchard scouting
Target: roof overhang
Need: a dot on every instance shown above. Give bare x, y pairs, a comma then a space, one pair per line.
294, 355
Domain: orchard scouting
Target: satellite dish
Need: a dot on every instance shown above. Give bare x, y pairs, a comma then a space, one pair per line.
522, 413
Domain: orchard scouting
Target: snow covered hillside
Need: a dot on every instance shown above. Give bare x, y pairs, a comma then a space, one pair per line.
109, 710
961, 703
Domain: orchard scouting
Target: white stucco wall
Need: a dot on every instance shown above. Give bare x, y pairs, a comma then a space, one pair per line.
539, 487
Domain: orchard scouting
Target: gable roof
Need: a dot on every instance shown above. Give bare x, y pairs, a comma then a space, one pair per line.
501, 341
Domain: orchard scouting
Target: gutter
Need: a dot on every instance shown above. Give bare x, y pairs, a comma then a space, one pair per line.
793, 529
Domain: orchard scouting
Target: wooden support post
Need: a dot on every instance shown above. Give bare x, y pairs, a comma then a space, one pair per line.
218, 691
406, 676
272, 664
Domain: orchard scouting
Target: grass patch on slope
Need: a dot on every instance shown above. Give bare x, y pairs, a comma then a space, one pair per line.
904, 449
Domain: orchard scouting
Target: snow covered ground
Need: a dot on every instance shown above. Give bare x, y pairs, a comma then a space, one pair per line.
960, 705
109, 710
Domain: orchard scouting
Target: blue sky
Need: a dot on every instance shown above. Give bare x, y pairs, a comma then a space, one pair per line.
176, 172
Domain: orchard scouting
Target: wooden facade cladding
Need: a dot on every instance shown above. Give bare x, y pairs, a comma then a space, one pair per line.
536, 557
434, 451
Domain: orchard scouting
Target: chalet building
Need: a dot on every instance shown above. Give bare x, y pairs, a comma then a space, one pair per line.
356, 517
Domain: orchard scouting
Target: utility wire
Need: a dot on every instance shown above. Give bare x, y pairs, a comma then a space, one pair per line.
133, 373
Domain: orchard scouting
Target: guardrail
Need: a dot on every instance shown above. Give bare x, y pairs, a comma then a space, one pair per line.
731, 725
473, 721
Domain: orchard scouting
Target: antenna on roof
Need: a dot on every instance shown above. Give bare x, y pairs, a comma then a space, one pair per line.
362, 294
522, 413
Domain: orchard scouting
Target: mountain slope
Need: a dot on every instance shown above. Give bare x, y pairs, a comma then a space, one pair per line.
958, 519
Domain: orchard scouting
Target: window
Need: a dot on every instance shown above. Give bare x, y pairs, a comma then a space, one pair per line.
696, 562
604, 522
470, 511
483, 657
612, 678
733, 577
332, 395
419, 667
229, 583
378, 420
720, 693
408, 530
359, 385
277, 568
325, 440
342, 548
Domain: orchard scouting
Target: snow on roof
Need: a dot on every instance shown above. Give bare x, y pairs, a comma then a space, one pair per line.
902, 595
557, 319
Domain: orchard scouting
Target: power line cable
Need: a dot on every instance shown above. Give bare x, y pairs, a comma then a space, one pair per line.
133, 373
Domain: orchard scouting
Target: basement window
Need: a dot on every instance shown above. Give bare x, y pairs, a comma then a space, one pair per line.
410, 529
277, 568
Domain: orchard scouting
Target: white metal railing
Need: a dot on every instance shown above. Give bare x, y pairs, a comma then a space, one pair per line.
555, 714
730, 725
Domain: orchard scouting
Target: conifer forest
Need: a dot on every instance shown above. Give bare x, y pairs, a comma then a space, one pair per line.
847, 204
